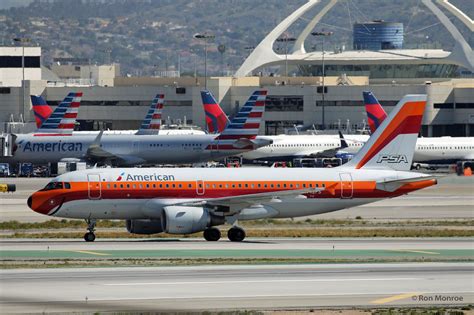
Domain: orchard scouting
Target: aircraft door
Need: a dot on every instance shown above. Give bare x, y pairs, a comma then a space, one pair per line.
347, 189
93, 186
135, 146
200, 187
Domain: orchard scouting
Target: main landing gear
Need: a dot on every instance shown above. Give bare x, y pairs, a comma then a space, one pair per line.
235, 234
90, 236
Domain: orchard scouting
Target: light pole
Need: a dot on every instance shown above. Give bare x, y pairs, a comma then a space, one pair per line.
22, 40
323, 35
286, 40
204, 37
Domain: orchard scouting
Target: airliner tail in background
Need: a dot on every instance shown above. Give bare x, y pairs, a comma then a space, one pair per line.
152, 123
41, 109
63, 119
375, 112
216, 119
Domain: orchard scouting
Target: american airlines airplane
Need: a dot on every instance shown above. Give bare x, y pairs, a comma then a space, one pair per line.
284, 147
151, 125
430, 150
63, 146
190, 200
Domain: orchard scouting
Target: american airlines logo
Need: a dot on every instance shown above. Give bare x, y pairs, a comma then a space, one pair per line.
396, 158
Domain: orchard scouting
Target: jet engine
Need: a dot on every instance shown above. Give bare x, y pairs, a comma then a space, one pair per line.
144, 226
187, 220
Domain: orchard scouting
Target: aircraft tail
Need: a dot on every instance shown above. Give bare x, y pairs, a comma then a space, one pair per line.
63, 118
152, 123
393, 143
241, 132
216, 119
41, 109
375, 112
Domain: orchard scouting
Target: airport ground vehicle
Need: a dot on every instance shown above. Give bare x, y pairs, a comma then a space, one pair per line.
190, 200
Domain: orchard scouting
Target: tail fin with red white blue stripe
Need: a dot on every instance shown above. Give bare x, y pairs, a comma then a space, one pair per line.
63, 118
216, 119
242, 130
375, 112
152, 122
41, 109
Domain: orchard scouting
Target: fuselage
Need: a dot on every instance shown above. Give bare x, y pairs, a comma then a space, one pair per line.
428, 149
142, 193
128, 149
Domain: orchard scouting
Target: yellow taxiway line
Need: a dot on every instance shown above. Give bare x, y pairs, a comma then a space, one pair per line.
395, 298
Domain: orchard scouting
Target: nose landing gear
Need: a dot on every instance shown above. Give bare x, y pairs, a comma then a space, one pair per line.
90, 236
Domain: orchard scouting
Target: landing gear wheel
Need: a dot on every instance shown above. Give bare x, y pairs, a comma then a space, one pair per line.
89, 237
212, 234
418, 167
236, 234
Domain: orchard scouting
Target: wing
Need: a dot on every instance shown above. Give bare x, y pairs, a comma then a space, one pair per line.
234, 204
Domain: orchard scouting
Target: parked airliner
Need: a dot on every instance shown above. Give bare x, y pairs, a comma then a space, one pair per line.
430, 150
284, 147
47, 147
190, 200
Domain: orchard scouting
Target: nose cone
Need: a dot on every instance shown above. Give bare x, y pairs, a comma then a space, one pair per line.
29, 202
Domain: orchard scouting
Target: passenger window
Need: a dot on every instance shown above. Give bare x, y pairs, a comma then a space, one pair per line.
67, 185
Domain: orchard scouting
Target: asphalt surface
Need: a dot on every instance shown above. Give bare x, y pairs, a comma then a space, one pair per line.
236, 287
452, 198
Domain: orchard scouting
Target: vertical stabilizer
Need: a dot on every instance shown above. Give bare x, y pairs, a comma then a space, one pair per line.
63, 118
41, 109
216, 119
375, 112
393, 143
152, 123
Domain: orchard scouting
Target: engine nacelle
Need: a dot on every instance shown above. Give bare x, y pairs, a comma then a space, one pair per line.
144, 226
187, 220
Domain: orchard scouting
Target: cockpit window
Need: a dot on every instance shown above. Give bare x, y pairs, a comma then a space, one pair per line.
53, 185
67, 185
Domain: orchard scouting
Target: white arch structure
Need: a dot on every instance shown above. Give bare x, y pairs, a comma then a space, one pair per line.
264, 55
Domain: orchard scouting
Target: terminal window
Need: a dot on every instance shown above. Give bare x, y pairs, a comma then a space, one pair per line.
276, 103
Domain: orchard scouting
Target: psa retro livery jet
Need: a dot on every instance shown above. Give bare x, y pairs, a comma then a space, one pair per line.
189, 200
120, 150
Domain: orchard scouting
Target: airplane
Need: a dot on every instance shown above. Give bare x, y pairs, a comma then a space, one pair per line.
120, 150
284, 147
191, 200
150, 125
429, 150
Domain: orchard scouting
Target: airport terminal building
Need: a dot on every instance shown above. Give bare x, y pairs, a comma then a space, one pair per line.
296, 97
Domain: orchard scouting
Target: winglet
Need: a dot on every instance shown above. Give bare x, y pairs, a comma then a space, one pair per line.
152, 123
393, 143
343, 141
375, 112
63, 118
216, 119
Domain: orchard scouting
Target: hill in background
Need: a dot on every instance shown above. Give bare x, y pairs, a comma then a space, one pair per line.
145, 36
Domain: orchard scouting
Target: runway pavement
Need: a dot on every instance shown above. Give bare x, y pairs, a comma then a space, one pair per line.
236, 287
452, 198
